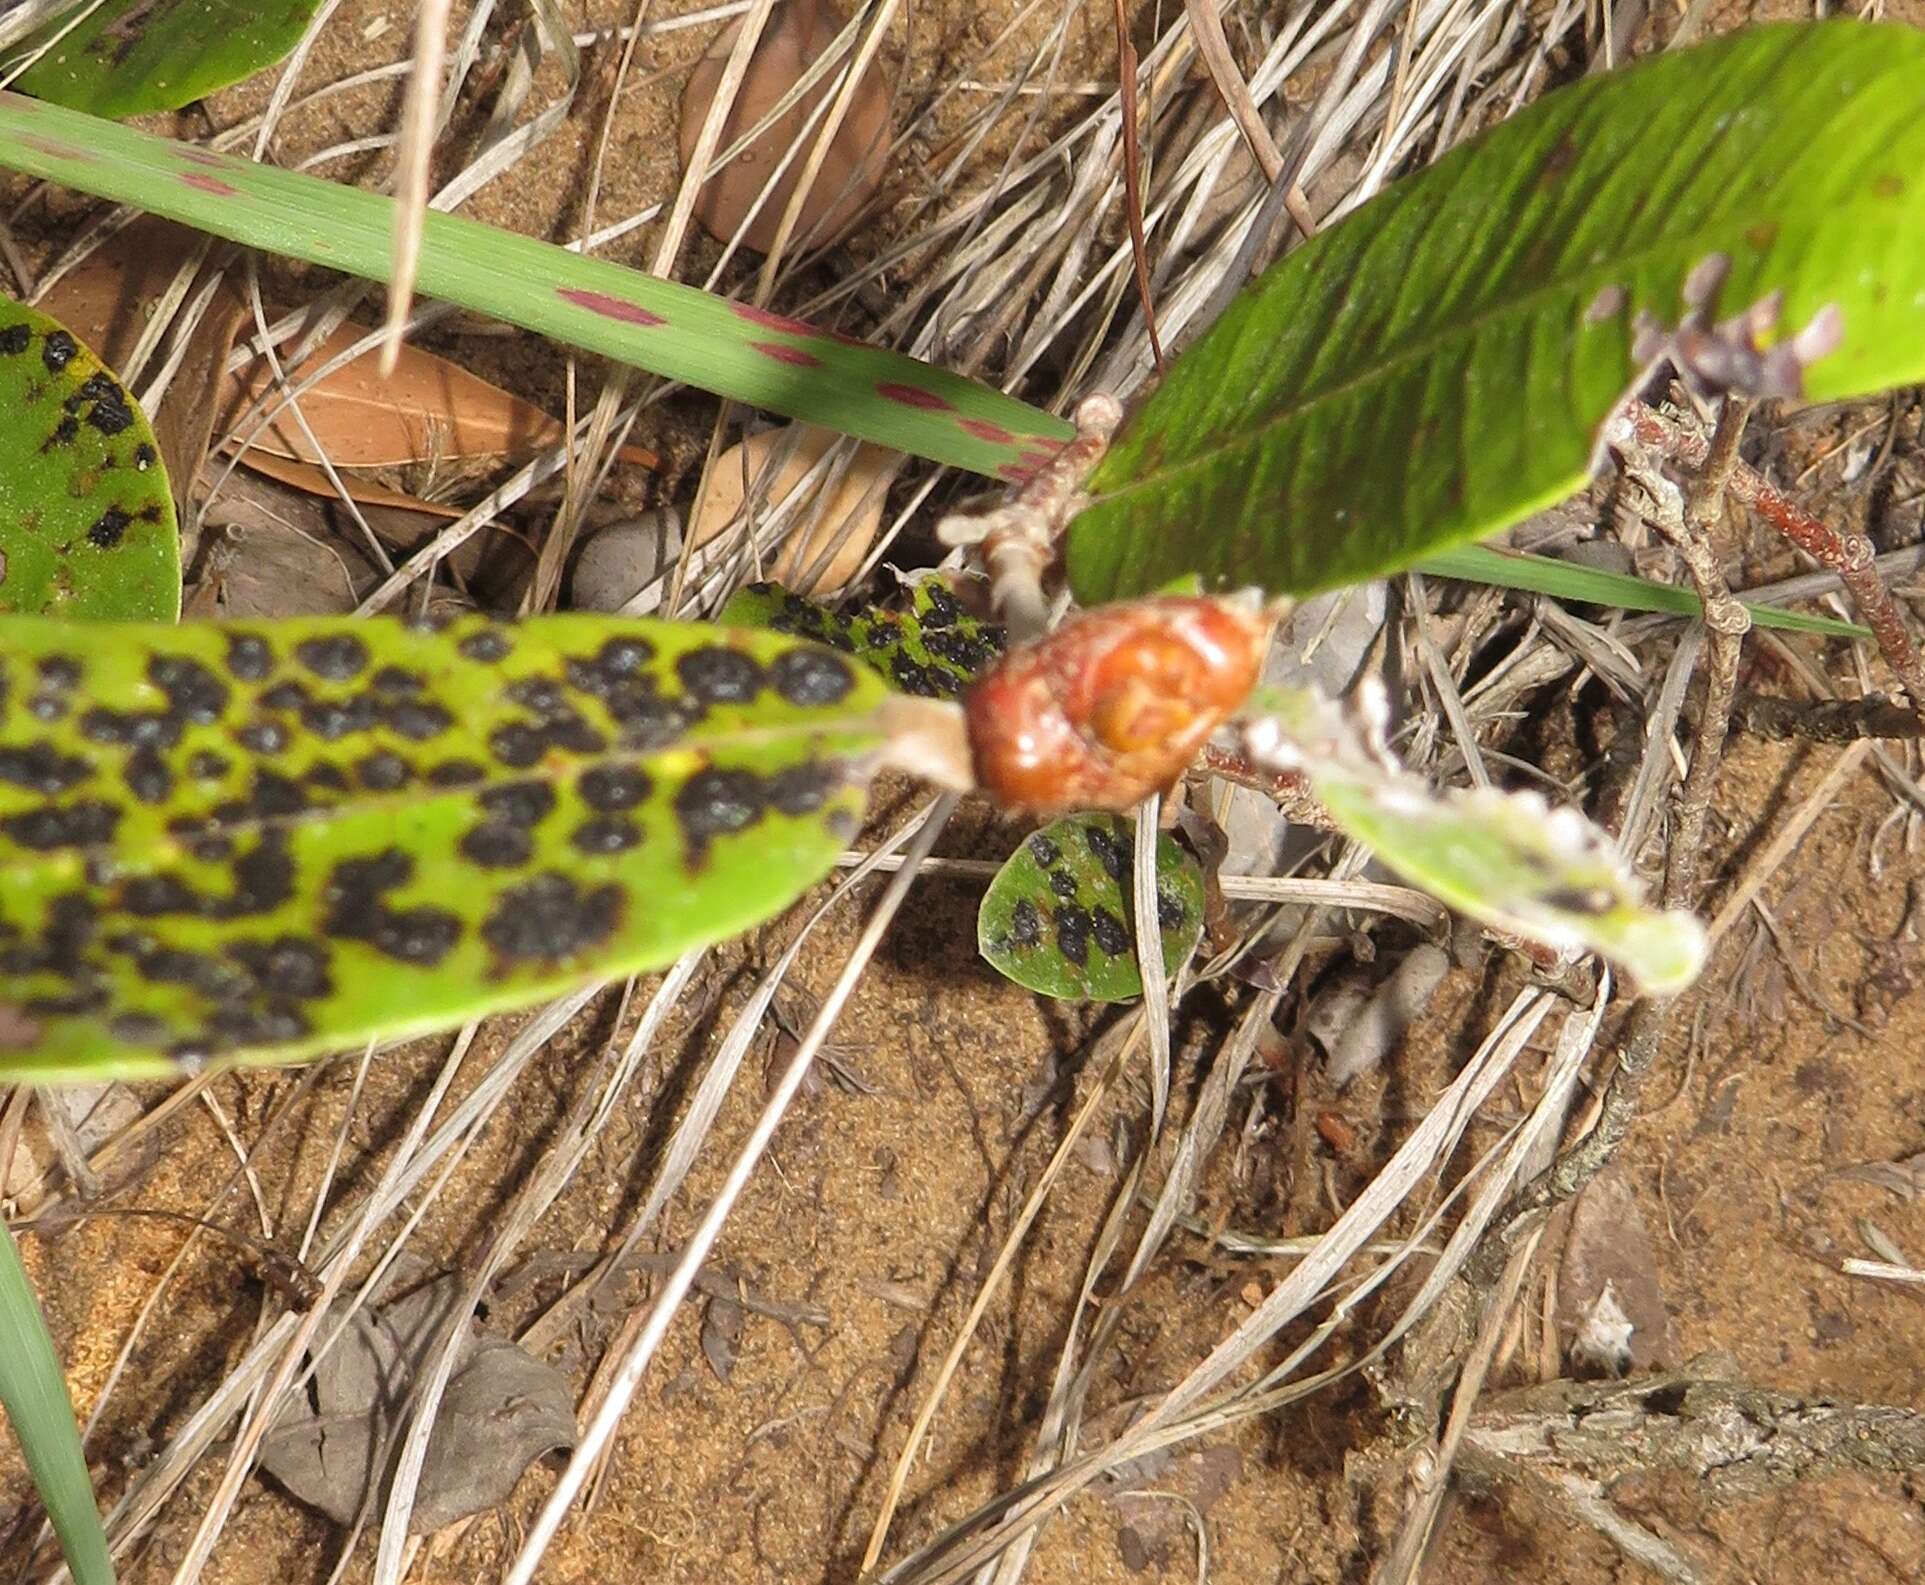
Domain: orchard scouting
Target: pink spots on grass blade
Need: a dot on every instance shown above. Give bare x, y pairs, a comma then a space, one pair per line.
1032, 460
772, 321
1013, 473
610, 307
208, 184
52, 149
982, 429
192, 156
783, 353
913, 396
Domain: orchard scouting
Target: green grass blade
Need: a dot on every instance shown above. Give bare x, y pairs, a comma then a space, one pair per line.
131, 57
1563, 580
731, 349
1436, 366
87, 524
260, 840
34, 1394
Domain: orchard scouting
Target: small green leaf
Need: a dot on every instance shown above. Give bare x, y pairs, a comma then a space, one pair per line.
1505, 859
1058, 919
934, 649
733, 349
1437, 365
86, 522
1564, 580
130, 57
265, 840
34, 1394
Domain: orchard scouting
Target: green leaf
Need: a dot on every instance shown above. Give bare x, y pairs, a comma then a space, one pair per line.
264, 840
748, 354
34, 1394
935, 648
1565, 580
1059, 919
136, 56
86, 522
1505, 859
1438, 364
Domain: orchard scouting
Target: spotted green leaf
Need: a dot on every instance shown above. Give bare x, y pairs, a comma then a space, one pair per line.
735, 350
1437, 364
262, 840
1058, 918
1504, 859
86, 523
934, 648
130, 57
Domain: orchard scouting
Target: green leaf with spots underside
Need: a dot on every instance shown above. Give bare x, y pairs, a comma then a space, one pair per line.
135, 56
86, 522
1437, 365
748, 354
1059, 918
258, 841
934, 648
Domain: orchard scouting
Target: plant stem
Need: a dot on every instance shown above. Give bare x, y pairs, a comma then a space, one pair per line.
1847, 555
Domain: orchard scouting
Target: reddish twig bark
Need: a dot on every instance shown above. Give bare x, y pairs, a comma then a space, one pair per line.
1848, 555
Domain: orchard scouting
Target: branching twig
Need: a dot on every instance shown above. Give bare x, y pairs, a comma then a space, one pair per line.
1847, 555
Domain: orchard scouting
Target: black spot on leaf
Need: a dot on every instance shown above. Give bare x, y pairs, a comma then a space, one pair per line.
108, 528
611, 788
1044, 851
606, 834
811, 677
550, 918
59, 351
1025, 924
333, 657
719, 675
1073, 927
802, 789
715, 803
522, 803
248, 657
1109, 932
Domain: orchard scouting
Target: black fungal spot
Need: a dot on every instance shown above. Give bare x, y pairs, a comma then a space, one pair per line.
1073, 926
358, 911
148, 896
801, 789
810, 677
487, 646
605, 834
458, 773
1109, 850
145, 456
286, 966
60, 671
419, 721
234, 1026
333, 719
647, 721
41, 768
263, 737
274, 797
209, 766
543, 695
612, 788
248, 657
285, 696
64, 434
495, 846
944, 609
715, 803
1044, 851
109, 412
397, 679
212, 849
47, 707
87, 823
912, 677
131, 729
1063, 884
138, 1029
327, 776
60, 350
333, 657
719, 675
518, 745
1170, 911
263, 880
148, 777
551, 917
15, 339
194, 692
1109, 932
522, 803
383, 772
108, 528
1025, 925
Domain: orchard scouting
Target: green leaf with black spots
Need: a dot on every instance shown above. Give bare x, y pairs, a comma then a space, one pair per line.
131, 57
227, 841
1437, 364
934, 648
1059, 918
86, 522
